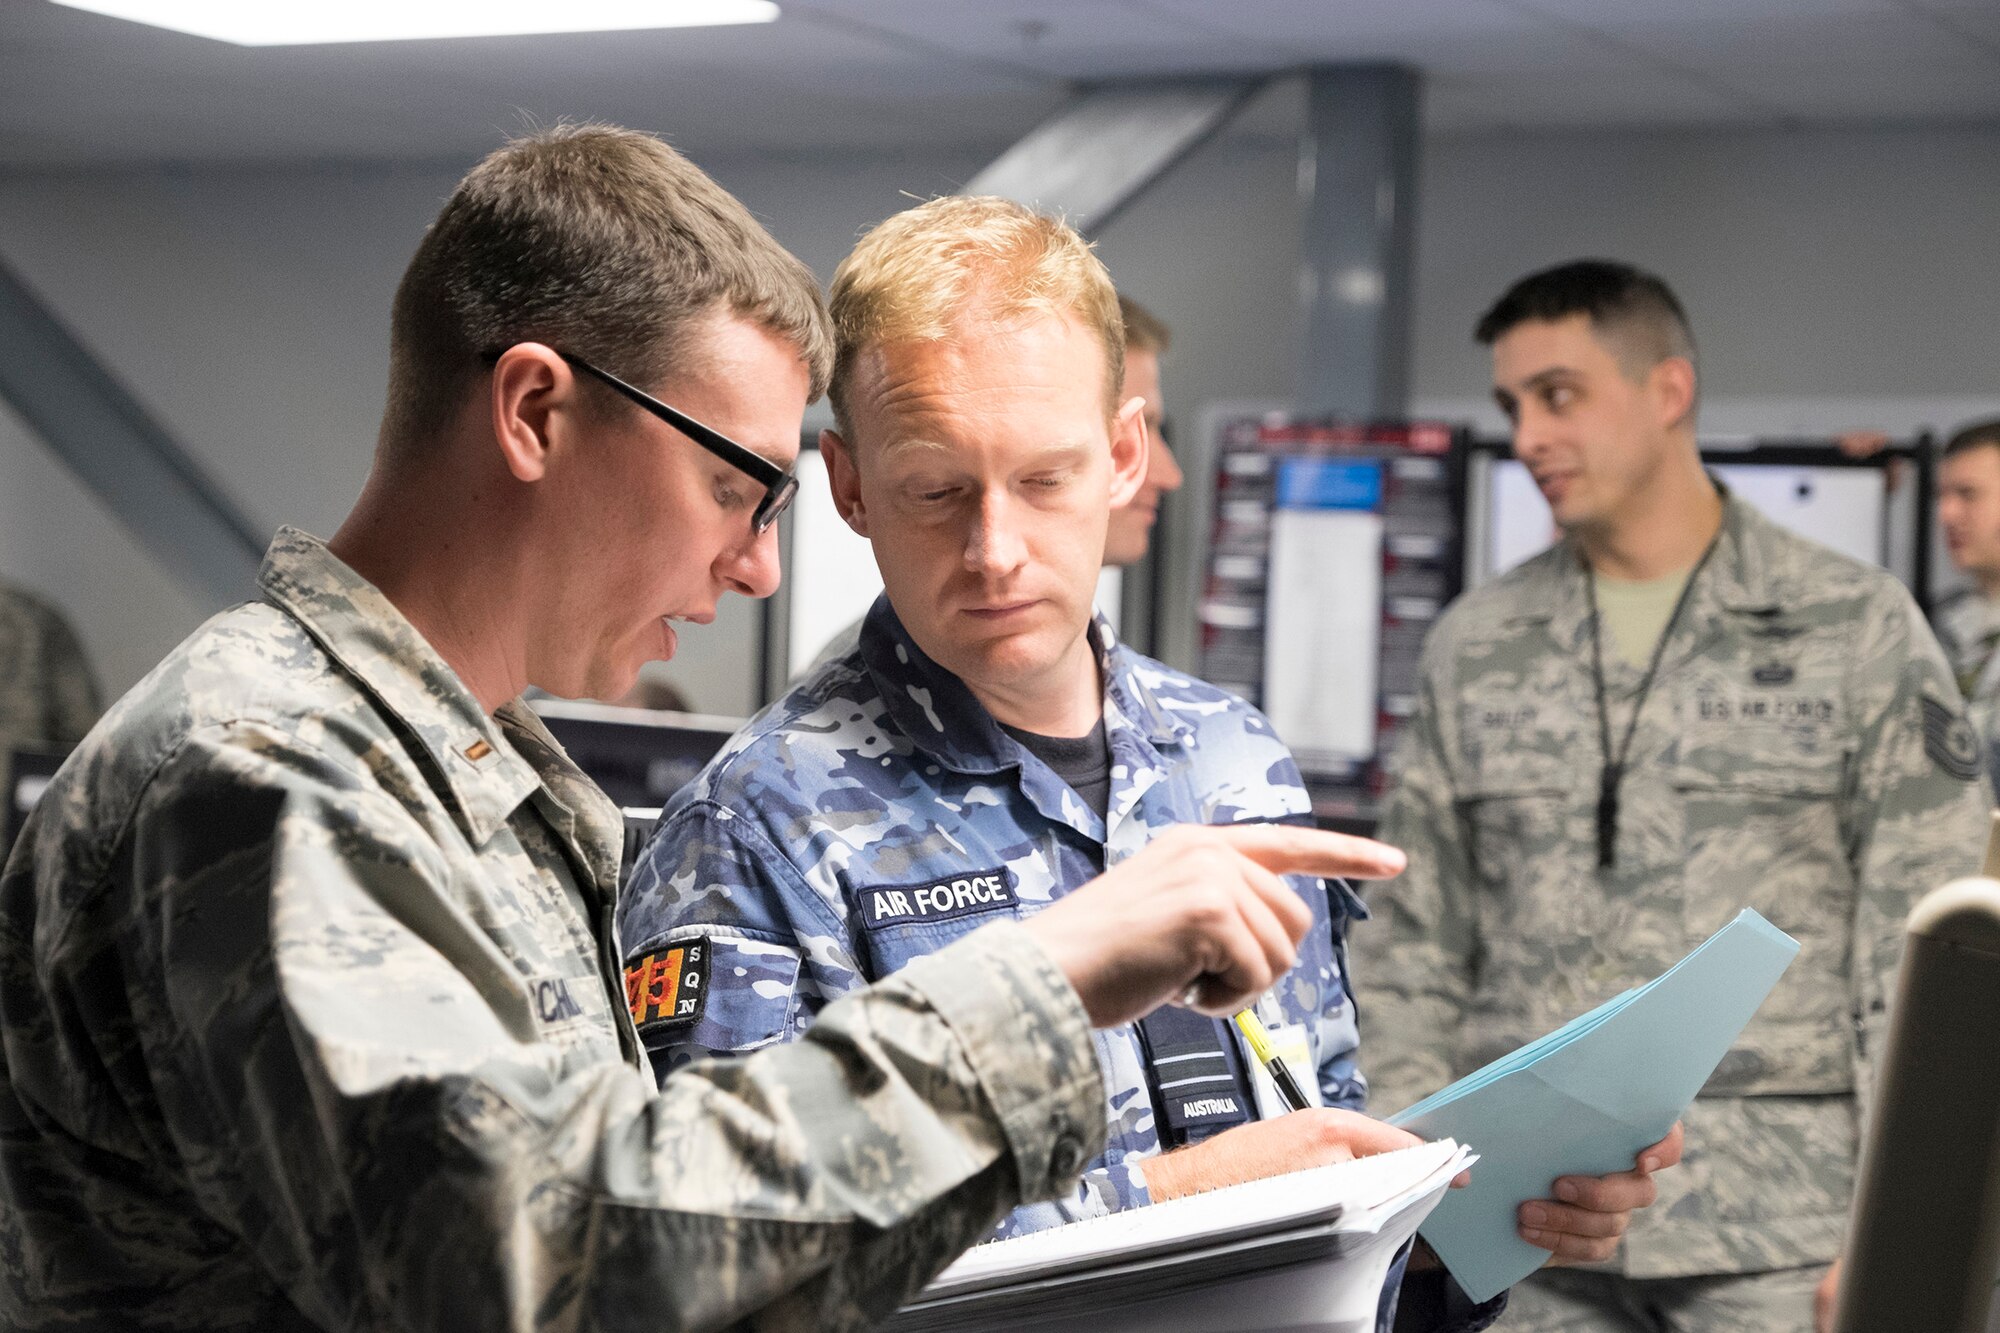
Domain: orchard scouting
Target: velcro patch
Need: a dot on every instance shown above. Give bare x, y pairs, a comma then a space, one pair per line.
938, 900
667, 988
1950, 741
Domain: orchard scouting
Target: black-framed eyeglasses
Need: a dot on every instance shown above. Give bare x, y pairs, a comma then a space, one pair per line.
779, 485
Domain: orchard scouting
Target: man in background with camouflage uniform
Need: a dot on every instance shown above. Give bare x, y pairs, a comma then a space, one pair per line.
48, 697
310, 1001
1968, 621
989, 746
1679, 711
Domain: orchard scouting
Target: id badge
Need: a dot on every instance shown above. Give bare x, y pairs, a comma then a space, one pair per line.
1288, 1043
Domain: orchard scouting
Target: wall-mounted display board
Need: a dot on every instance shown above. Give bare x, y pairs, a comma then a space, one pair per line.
1334, 548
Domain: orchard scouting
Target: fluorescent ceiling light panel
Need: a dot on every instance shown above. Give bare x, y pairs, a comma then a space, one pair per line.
300, 22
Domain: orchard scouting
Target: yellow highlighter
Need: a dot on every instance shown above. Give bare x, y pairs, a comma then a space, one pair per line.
1260, 1046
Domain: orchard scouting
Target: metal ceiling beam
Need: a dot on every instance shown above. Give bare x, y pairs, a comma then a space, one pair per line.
1092, 159
100, 431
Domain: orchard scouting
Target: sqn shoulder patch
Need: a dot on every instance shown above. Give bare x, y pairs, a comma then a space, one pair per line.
936, 900
1950, 740
666, 989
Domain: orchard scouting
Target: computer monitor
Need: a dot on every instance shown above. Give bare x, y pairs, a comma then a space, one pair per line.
640, 757
1842, 506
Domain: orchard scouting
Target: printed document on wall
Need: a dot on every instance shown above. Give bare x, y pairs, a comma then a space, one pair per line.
1323, 617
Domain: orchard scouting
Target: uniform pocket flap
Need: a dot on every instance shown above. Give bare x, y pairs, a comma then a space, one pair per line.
1758, 774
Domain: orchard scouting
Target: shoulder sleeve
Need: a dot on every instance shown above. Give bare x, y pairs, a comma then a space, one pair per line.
341, 1051
711, 880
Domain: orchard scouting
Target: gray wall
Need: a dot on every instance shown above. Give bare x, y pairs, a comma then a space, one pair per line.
1835, 278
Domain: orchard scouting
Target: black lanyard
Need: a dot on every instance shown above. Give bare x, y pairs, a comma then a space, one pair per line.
1613, 772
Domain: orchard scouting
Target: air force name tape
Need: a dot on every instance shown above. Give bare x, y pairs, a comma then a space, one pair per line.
666, 989
939, 900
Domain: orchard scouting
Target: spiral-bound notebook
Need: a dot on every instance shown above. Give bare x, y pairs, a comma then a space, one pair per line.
1338, 1226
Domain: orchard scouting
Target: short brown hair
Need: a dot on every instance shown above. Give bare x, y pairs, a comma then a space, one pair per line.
1974, 436
910, 277
1626, 306
1144, 330
595, 240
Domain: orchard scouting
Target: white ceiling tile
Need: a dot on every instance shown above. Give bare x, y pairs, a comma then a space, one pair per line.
1714, 14
965, 74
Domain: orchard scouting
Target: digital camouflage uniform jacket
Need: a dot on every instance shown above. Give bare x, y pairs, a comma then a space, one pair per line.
811, 851
311, 1019
1803, 753
877, 813
47, 694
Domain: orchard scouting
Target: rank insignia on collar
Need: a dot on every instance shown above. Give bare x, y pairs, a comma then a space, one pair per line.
1773, 673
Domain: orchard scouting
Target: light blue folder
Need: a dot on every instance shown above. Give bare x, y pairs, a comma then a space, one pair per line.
1586, 1098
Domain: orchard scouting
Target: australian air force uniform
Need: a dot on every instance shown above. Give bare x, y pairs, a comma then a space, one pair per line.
878, 813
313, 1018
1801, 751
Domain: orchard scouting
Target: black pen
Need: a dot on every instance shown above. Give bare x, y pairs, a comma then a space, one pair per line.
1260, 1046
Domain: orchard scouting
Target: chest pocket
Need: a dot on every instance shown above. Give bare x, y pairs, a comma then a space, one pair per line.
1516, 797
1760, 775
1526, 773
902, 922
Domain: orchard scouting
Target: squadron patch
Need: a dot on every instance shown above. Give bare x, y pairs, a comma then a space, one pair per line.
938, 900
1950, 741
667, 988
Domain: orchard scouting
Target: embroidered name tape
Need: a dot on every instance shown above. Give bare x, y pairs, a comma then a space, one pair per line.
554, 1004
667, 988
940, 900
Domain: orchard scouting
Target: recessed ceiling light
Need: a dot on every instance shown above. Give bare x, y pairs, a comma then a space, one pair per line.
299, 22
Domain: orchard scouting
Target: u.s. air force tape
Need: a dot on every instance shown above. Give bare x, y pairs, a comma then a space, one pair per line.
936, 900
1950, 741
667, 988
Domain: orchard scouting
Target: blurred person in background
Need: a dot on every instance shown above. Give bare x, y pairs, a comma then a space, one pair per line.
1679, 711
1968, 621
48, 694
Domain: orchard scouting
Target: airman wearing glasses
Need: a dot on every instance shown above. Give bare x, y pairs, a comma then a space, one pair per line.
310, 1000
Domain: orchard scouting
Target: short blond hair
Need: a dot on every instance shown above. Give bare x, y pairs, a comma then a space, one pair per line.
911, 277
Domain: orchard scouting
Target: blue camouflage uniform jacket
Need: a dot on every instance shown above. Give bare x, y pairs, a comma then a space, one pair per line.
877, 813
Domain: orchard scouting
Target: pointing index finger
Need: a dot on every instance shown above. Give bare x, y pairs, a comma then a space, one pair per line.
1287, 849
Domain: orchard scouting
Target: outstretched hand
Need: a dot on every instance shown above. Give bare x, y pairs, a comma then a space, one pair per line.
1202, 906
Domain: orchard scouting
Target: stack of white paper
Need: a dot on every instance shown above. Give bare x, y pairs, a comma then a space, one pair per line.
1309, 1249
